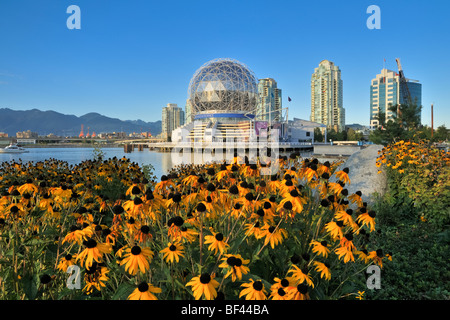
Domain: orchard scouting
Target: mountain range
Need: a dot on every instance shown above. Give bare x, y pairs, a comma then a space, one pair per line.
46, 122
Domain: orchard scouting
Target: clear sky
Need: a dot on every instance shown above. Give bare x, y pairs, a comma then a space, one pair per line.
132, 57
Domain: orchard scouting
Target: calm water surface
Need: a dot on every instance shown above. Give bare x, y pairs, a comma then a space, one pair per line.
161, 161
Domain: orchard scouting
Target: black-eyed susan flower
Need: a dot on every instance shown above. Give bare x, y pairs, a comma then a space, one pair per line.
28, 187
323, 268
172, 252
144, 291
300, 292
280, 290
136, 259
76, 234
95, 277
301, 275
204, 286
342, 175
273, 235
368, 219
363, 255
321, 248
143, 234
93, 252
235, 266
254, 290
216, 242
345, 252
335, 229
377, 257
65, 262
254, 229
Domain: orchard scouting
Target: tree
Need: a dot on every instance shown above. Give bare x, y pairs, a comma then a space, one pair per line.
318, 136
403, 124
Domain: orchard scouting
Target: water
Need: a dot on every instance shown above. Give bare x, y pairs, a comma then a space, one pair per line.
161, 161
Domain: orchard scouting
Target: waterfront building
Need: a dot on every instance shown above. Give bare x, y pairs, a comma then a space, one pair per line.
300, 130
172, 118
385, 92
269, 101
188, 112
26, 134
222, 102
327, 96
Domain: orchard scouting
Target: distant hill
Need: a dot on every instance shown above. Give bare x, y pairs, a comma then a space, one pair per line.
46, 122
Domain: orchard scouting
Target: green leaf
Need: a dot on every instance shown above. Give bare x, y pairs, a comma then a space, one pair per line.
30, 286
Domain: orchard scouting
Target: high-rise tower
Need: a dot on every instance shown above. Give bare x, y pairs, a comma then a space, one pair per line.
326, 96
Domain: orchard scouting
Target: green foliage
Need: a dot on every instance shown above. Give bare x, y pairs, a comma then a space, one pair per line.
420, 255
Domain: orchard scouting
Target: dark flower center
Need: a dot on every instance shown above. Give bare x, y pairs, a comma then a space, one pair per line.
145, 229
172, 248
302, 288
284, 283
257, 285
287, 205
143, 287
249, 196
135, 190
118, 209
201, 207
281, 292
91, 243
205, 278
136, 250
231, 261
267, 205
233, 189
219, 237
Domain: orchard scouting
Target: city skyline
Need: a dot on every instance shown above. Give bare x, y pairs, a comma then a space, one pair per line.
129, 60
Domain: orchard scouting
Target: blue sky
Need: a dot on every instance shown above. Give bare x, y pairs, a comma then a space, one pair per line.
130, 58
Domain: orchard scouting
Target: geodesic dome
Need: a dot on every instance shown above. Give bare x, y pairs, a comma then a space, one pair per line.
223, 85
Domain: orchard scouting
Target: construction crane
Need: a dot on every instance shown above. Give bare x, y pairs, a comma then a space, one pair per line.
404, 90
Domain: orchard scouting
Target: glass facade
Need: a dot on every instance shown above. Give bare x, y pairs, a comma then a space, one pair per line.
385, 91
223, 84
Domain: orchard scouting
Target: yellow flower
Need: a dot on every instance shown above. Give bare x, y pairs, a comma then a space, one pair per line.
324, 269
254, 290
274, 235
144, 291
321, 248
172, 252
235, 266
93, 252
136, 258
204, 285
300, 276
281, 289
368, 219
216, 242
346, 253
